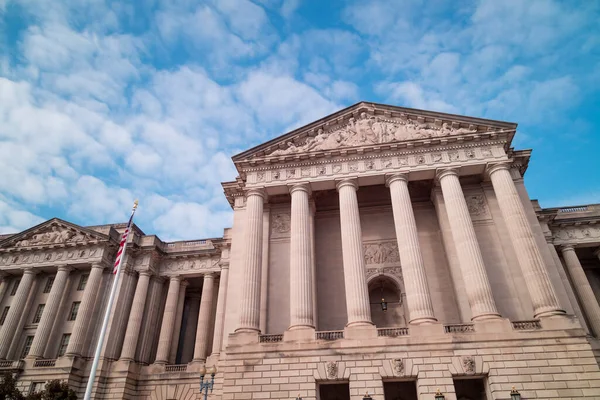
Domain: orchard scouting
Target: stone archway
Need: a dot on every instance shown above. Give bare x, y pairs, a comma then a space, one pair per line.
388, 288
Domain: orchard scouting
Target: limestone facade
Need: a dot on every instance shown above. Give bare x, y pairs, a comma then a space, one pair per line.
421, 213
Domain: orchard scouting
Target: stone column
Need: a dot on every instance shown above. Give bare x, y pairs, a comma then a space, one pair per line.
42, 334
178, 321
15, 311
301, 291
418, 299
168, 322
249, 318
3, 284
543, 297
469, 255
202, 332
135, 317
86, 309
355, 282
582, 287
220, 314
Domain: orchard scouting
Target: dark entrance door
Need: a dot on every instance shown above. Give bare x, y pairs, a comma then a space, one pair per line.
334, 392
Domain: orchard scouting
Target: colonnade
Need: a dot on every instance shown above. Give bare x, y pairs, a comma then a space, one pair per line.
477, 284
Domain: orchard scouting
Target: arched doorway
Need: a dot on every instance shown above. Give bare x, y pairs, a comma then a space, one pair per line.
383, 287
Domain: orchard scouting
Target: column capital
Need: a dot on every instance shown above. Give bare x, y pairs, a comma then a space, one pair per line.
66, 268
224, 264
184, 283
497, 166
30, 271
351, 182
98, 265
566, 247
256, 192
401, 176
175, 278
209, 275
441, 173
301, 186
145, 273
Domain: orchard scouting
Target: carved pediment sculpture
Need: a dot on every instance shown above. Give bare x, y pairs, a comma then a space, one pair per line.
369, 130
53, 234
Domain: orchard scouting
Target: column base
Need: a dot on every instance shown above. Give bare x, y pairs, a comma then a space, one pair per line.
561, 322
483, 317
360, 330
243, 337
213, 359
195, 365
493, 325
299, 334
423, 321
426, 330
544, 313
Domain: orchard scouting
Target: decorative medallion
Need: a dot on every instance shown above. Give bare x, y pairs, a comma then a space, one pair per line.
398, 366
469, 364
332, 370
281, 223
476, 205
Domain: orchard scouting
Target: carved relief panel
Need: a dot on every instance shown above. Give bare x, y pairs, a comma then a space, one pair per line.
280, 224
477, 205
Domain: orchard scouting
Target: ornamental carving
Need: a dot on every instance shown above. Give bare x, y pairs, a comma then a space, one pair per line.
476, 205
381, 253
575, 233
398, 366
367, 129
281, 223
185, 265
51, 256
54, 234
469, 364
395, 271
332, 370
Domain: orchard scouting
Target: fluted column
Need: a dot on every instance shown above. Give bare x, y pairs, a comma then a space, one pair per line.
582, 287
220, 314
4, 281
543, 297
202, 332
178, 321
469, 255
168, 322
134, 322
42, 334
355, 282
86, 310
249, 317
301, 292
418, 299
15, 311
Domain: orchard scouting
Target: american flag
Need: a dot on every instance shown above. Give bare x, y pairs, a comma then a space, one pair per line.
123, 243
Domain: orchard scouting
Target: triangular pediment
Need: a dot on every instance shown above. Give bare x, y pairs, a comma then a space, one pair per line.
54, 232
371, 125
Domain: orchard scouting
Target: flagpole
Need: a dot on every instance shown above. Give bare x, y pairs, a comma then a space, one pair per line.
111, 299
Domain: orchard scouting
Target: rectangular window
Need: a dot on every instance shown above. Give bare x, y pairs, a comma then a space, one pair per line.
26, 346
83, 281
473, 388
49, 283
405, 390
74, 310
64, 343
38, 314
4, 314
15, 287
337, 391
36, 387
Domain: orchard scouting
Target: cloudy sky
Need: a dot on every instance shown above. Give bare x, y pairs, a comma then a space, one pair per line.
102, 102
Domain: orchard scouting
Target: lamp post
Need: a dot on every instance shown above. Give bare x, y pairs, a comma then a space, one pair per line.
367, 397
439, 395
514, 394
204, 386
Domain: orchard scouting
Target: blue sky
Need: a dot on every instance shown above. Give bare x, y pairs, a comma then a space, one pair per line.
102, 102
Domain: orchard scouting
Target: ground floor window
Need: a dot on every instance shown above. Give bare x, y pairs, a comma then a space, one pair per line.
338, 391
405, 390
470, 389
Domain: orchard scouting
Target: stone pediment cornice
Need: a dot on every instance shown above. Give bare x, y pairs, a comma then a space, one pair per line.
55, 233
369, 127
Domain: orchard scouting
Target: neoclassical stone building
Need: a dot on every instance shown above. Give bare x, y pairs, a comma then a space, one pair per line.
380, 249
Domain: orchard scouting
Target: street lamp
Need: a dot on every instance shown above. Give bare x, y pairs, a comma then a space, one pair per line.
514, 394
439, 395
367, 397
204, 386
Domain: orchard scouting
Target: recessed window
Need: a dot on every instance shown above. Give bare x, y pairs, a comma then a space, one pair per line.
337, 391
4, 314
470, 389
405, 390
49, 283
38, 314
26, 346
15, 287
74, 311
36, 387
83, 281
64, 343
